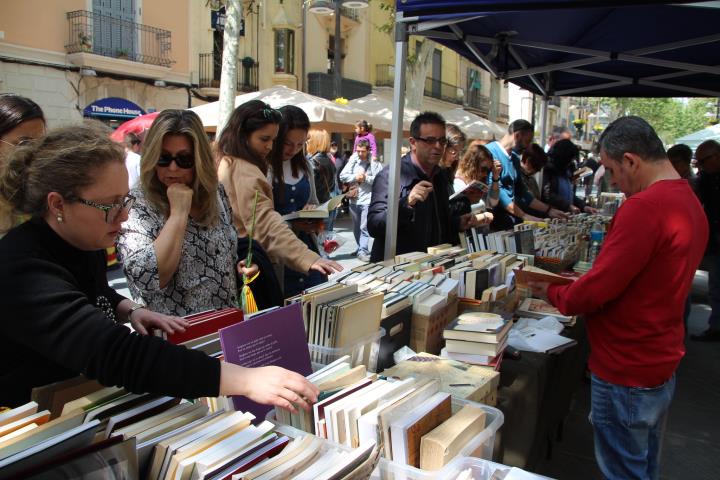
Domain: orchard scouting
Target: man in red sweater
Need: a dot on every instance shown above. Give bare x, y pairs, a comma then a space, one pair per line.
633, 299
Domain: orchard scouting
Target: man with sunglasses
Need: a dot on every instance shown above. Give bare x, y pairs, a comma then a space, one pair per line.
708, 191
424, 217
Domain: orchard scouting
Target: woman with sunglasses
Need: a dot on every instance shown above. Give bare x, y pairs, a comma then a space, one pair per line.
21, 121
179, 245
244, 148
293, 182
477, 165
75, 185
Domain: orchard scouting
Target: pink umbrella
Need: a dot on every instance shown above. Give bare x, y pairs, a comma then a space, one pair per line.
137, 125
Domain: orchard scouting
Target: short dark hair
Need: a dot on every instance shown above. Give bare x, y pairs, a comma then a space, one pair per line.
521, 125
245, 119
680, 153
16, 109
423, 118
535, 156
364, 142
631, 135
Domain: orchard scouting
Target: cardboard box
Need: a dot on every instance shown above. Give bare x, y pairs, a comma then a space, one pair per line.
426, 331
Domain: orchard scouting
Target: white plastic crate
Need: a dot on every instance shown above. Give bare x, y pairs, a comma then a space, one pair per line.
363, 352
480, 447
484, 470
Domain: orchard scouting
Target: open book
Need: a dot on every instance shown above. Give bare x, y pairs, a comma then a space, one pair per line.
321, 211
477, 187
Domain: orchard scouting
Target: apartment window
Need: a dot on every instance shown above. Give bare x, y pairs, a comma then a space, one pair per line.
285, 51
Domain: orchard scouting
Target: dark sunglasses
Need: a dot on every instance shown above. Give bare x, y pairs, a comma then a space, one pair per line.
182, 160
433, 140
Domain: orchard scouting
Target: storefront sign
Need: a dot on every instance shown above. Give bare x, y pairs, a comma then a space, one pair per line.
113, 107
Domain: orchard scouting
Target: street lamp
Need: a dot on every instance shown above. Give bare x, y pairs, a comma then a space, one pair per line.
321, 7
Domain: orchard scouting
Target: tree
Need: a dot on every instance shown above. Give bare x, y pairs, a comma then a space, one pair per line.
228, 76
670, 117
417, 63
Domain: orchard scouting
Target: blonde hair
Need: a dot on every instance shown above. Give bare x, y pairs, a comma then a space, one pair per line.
64, 161
205, 180
318, 141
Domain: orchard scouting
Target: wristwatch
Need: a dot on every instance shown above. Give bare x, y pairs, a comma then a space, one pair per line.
136, 306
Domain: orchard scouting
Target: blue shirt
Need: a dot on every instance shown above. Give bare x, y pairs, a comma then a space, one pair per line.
512, 188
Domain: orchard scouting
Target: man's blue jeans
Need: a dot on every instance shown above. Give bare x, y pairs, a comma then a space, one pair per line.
359, 215
628, 423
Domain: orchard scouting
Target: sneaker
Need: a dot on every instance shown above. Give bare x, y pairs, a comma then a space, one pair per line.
363, 257
707, 336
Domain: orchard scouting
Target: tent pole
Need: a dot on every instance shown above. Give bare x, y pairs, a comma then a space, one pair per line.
396, 132
543, 120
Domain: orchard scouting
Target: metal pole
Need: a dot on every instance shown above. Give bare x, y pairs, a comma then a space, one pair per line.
543, 120
393, 200
337, 57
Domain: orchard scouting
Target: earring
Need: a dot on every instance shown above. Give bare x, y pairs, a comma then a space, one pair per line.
60, 218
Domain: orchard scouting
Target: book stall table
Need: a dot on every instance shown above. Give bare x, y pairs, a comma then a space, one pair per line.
535, 394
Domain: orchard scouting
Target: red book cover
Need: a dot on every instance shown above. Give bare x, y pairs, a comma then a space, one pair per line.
207, 324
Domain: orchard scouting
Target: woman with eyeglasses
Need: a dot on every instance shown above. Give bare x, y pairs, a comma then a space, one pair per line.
179, 245
63, 318
244, 148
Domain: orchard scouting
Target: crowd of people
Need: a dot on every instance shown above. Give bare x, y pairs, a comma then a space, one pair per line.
181, 210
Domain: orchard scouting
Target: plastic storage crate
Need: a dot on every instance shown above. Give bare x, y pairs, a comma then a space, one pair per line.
481, 446
363, 352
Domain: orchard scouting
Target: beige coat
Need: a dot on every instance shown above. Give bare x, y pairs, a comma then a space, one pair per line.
240, 179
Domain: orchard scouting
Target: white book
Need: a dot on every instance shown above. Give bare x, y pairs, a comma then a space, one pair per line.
17, 413
334, 414
361, 405
227, 449
430, 305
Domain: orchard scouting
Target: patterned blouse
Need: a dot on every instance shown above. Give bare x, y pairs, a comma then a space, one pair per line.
206, 275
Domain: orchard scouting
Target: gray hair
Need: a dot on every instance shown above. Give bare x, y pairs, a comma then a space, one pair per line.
631, 135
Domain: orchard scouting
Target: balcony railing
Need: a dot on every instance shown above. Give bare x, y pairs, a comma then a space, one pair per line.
385, 77
211, 68
444, 91
112, 37
323, 85
503, 112
478, 101
350, 13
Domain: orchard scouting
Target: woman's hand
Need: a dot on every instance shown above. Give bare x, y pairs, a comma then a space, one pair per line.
325, 266
310, 206
247, 272
574, 210
144, 320
180, 199
308, 225
268, 386
589, 209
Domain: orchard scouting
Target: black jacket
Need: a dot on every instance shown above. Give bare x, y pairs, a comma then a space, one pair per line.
325, 176
708, 191
552, 175
426, 224
57, 321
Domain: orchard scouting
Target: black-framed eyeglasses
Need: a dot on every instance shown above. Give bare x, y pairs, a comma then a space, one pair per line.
112, 210
442, 141
20, 143
183, 160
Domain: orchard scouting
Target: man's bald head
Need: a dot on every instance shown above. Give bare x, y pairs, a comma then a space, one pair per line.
708, 156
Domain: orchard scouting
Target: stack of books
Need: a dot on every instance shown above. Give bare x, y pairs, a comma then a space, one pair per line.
145, 436
412, 419
478, 338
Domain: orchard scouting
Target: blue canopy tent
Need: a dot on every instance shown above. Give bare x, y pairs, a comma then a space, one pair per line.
565, 47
